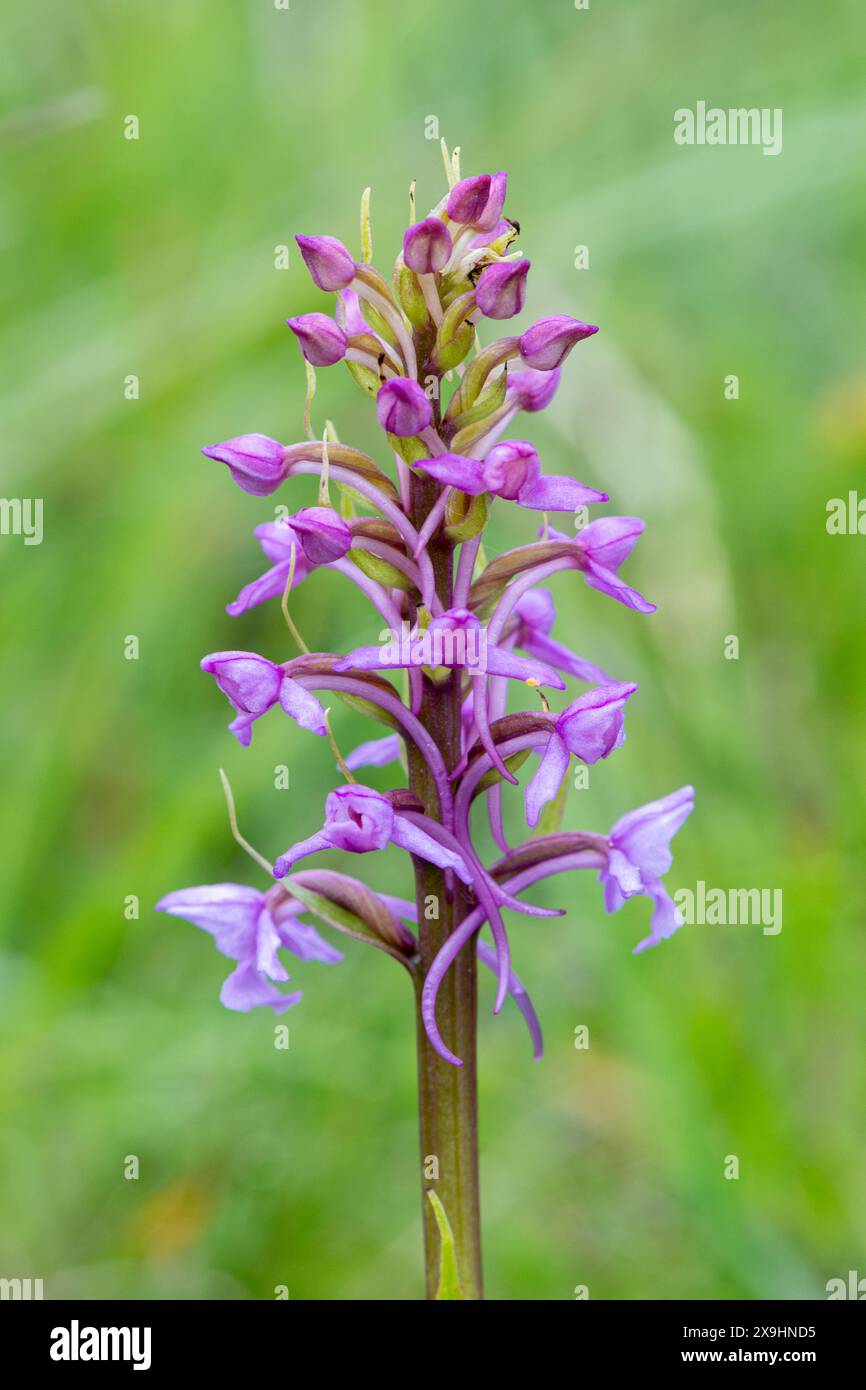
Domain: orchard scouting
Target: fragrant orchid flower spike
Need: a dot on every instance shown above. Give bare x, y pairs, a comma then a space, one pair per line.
470, 628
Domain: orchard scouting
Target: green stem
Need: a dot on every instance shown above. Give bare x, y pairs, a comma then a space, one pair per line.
447, 1095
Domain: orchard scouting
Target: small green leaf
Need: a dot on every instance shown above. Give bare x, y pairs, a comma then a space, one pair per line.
376, 568
368, 709
365, 377
449, 1282
331, 912
466, 517
409, 447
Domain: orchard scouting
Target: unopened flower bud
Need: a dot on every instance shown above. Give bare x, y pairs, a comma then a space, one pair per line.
323, 534
468, 199
547, 343
328, 261
495, 202
509, 466
403, 408
532, 390
322, 340
257, 463
501, 289
427, 246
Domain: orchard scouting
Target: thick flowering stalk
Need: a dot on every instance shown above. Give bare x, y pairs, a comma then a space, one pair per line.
462, 635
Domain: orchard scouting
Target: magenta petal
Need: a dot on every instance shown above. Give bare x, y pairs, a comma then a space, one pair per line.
606, 582
268, 942
665, 919
328, 261
247, 988
427, 246
229, 911
313, 845
469, 199
561, 658
489, 218
610, 540
558, 495
532, 390
402, 407
382, 658
457, 471
323, 534
276, 539
299, 937
482, 723
644, 835
322, 340
500, 662
256, 462
376, 752
271, 584
302, 706
501, 289
487, 956
593, 726
417, 841
548, 778
547, 343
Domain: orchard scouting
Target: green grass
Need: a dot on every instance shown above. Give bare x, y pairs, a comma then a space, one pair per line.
155, 257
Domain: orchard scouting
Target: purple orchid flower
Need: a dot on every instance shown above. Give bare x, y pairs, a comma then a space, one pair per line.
469, 199
640, 854
591, 728
375, 752
328, 261
403, 408
322, 340
251, 927
427, 246
277, 540
359, 819
600, 549
455, 639
512, 470
547, 343
532, 390
489, 219
323, 534
536, 615
257, 463
253, 685
501, 289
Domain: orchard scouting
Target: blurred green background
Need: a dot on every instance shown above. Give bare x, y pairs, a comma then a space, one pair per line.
155, 257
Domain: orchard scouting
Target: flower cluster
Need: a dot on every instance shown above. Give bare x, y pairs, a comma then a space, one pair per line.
410, 538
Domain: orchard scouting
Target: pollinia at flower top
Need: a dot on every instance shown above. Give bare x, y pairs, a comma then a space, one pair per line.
465, 630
